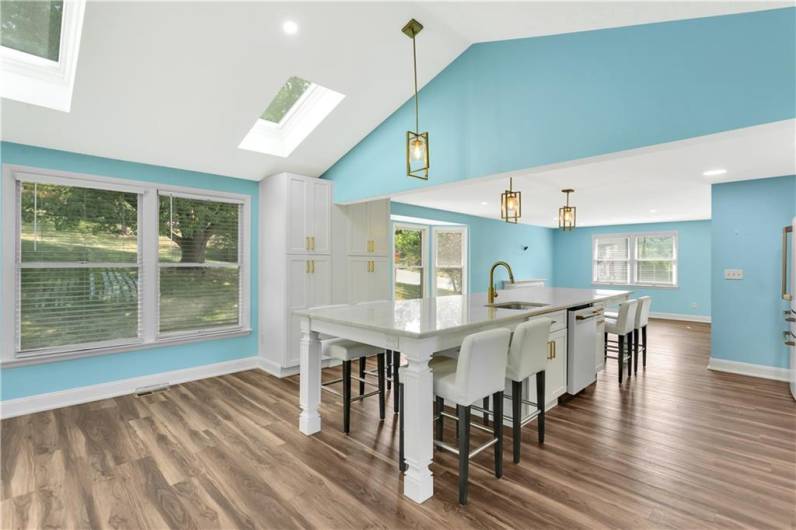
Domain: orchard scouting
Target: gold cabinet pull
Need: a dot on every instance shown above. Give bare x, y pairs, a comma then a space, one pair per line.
550, 345
306, 242
312, 242
312, 266
554, 350
306, 266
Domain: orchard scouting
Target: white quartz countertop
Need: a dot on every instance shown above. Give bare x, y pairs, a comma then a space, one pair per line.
431, 316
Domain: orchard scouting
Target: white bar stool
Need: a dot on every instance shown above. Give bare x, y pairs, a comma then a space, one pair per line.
640, 331
479, 372
527, 357
622, 326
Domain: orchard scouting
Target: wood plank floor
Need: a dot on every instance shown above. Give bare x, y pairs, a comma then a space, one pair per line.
678, 447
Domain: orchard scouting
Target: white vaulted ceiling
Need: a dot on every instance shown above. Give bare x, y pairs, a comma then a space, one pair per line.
179, 84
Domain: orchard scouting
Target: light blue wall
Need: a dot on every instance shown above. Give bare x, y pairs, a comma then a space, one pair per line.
491, 240
573, 264
746, 231
50, 377
521, 103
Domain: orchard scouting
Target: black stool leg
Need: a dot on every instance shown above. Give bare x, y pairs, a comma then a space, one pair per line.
438, 422
540, 404
644, 348
464, 451
485, 406
401, 455
346, 396
396, 364
389, 368
516, 420
629, 354
636, 337
497, 428
621, 356
380, 360
605, 348
362, 362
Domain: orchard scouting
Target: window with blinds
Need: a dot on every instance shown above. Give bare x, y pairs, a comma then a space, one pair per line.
199, 264
635, 259
78, 267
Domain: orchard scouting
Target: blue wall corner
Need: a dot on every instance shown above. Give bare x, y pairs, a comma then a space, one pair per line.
522, 103
748, 218
491, 240
51, 377
573, 264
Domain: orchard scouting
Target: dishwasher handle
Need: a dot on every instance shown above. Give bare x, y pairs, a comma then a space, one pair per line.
595, 313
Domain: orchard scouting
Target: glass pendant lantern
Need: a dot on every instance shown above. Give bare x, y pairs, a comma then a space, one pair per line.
417, 151
511, 204
566, 214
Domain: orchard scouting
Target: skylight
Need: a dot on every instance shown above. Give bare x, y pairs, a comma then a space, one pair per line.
286, 99
39, 43
296, 110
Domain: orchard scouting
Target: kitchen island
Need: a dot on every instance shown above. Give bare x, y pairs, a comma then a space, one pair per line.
419, 328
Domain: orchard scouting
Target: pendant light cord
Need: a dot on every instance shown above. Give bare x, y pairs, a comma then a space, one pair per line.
417, 105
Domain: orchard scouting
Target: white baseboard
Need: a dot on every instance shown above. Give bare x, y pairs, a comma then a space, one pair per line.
681, 316
753, 370
84, 394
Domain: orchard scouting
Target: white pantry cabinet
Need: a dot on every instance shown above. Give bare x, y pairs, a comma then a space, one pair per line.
368, 279
295, 262
368, 228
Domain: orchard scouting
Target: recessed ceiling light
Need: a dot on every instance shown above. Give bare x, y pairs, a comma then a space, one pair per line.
714, 172
484, 203
290, 27
653, 210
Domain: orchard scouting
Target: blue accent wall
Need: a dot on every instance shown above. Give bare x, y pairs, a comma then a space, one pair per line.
573, 264
491, 240
515, 104
54, 376
748, 218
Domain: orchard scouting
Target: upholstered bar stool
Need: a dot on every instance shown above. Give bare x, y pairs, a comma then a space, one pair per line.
479, 372
622, 326
640, 331
528, 357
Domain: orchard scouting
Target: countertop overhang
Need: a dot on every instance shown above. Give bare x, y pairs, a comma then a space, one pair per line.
425, 317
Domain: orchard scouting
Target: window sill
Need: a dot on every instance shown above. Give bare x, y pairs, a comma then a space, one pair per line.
631, 285
79, 354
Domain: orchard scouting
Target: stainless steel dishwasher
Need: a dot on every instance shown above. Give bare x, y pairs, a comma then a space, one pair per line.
581, 344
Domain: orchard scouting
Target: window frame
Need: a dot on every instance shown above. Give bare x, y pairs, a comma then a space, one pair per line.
462, 229
424, 262
633, 260
148, 257
32, 79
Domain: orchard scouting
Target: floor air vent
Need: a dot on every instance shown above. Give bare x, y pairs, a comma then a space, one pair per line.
148, 390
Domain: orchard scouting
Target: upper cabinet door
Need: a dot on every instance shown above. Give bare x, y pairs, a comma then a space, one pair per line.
358, 228
320, 216
379, 226
297, 215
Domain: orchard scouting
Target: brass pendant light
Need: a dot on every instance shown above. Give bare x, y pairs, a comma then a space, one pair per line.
566, 214
511, 204
417, 155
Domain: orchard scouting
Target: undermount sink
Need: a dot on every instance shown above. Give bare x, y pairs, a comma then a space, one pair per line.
517, 305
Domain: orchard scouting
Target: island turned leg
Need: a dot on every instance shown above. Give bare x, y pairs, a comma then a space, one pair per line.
310, 379
418, 413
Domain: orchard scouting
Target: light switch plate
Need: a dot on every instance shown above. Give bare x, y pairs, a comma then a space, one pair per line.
733, 274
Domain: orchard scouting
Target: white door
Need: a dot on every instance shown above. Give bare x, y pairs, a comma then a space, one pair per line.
298, 297
358, 278
556, 369
319, 213
358, 232
379, 226
297, 229
321, 280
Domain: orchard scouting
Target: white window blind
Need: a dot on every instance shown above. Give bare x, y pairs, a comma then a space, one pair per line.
635, 259
78, 267
199, 265
611, 259
450, 257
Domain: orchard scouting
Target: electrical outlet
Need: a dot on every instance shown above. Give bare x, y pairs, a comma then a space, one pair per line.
733, 274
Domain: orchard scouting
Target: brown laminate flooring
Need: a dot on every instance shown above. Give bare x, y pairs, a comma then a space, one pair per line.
677, 446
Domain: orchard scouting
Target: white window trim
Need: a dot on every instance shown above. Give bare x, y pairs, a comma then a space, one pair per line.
423, 254
633, 259
148, 212
39, 81
465, 255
